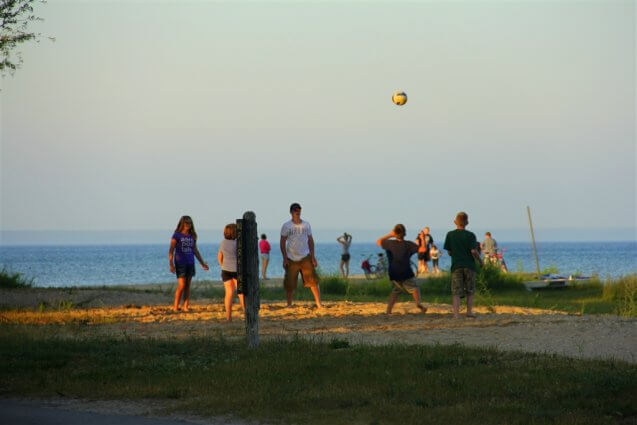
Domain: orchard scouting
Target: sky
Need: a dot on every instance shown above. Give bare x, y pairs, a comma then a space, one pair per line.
142, 111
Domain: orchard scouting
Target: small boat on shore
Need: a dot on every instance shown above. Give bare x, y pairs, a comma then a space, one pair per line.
551, 281
547, 281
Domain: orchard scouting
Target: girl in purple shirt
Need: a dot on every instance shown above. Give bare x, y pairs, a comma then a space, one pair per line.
181, 259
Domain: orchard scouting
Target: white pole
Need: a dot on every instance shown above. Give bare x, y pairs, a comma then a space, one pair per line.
537, 262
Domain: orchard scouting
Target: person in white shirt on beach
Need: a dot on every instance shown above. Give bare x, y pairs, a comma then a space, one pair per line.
297, 248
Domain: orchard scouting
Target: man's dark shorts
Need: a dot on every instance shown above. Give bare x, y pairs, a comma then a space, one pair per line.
185, 270
424, 256
308, 274
463, 282
345, 257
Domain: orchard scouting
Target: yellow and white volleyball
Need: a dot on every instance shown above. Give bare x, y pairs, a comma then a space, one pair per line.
399, 98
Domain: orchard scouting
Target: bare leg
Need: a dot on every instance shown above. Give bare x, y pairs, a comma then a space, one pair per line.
340, 266
456, 306
392, 300
181, 282
347, 268
289, 294
416, 295
230, 287
421, 266
470, 306
187, 294
317, 295
264, 269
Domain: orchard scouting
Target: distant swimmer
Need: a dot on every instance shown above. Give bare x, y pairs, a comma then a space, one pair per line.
425, 240
345, 240
181, 259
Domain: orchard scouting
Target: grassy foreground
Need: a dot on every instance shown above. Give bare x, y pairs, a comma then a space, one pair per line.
301, 381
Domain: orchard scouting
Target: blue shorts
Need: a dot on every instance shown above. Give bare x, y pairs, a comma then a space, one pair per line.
185, 270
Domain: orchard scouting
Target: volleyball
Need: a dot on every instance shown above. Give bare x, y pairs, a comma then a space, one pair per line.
399, 98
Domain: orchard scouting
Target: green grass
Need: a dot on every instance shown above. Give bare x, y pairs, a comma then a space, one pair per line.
13, 280
493, 288
302, 381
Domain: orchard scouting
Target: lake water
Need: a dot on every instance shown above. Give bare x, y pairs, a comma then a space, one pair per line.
84, 265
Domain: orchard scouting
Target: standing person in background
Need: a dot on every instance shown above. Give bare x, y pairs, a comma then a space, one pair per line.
181, 259
345, 240
264, 249
461, 246
297, 248
227, 257
489, 248
425, 240
435, 257
399, 252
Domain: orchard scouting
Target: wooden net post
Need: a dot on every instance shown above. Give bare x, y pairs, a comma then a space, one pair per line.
248, 274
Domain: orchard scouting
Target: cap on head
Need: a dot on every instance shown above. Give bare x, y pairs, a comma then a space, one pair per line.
295, 206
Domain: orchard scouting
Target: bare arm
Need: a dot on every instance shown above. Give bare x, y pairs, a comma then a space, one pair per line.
171, 255
204, 265
475, 254
389, 235
220, 258
283, 252
310, 243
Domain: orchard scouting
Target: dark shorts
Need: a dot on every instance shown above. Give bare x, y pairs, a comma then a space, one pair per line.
185, 270
463, 282
308, 274
345, 257
226, 276
424, 256
435, 262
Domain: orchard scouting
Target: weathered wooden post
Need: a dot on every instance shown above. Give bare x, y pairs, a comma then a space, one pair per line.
248, 274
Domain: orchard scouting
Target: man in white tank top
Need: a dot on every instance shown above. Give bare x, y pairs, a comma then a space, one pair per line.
297, 248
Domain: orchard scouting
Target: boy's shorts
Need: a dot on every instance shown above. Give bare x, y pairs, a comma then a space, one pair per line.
463, 282
308, 274
409, 286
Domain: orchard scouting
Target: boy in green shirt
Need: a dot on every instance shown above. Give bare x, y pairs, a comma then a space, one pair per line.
461, 245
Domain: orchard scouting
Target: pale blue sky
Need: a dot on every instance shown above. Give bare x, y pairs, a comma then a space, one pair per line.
140, 111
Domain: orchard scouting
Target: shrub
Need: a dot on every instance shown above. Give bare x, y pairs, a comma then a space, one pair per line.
333, 285
624, 293
13, 280
491, 277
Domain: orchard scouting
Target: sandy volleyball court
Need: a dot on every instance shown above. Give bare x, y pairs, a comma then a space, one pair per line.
148, 314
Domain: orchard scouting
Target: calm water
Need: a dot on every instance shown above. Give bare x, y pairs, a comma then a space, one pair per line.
131, 264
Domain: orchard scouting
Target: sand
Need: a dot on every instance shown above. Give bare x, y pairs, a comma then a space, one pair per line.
147, 313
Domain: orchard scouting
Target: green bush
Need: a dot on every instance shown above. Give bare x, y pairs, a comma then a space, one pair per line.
333, 285
493, 278
624, 293
13, 280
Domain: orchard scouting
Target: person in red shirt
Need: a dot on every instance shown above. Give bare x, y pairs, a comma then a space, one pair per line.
264, 249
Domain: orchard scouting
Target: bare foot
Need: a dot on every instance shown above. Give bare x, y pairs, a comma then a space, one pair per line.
422, 308
176, 309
